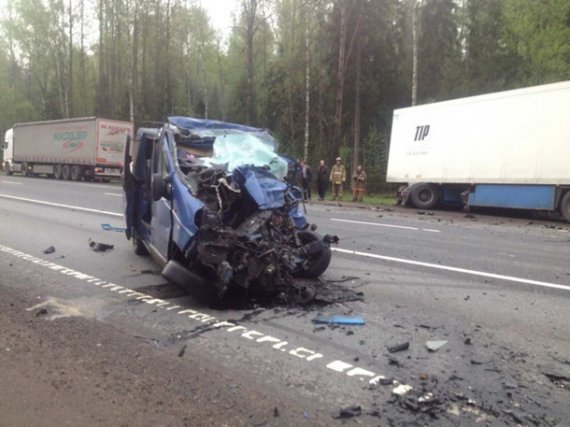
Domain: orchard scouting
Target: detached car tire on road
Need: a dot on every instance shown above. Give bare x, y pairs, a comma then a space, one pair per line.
209, 202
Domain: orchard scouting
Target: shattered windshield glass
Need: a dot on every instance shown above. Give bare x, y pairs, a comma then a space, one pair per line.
237, 149
231, 149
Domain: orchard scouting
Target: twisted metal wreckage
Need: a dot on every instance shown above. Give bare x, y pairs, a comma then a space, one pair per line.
211, 203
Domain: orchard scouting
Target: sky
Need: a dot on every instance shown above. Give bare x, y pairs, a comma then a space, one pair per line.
220, 12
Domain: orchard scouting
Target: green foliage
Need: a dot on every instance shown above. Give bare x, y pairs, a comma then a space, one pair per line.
146, 59
539, 32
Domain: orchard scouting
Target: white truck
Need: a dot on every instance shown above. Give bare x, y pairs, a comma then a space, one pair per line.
508, 150
72, 149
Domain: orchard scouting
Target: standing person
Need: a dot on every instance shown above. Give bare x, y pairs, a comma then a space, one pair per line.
358, 188
322, 176
306, 178
337, 179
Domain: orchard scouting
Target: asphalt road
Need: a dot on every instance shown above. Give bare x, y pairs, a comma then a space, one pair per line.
101, 339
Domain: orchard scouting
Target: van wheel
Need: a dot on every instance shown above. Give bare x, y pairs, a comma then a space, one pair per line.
66, 172
7, 169
316, 263
425, 196
565, 206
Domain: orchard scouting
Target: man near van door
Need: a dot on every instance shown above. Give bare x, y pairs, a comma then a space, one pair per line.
337, 179
306, 178
322, 176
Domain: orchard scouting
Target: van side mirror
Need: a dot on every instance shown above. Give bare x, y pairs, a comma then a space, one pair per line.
158, 185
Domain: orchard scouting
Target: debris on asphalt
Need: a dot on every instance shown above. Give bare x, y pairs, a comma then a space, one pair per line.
340, 320
393, 362
467, 341
99, 247
41, 312
349, 412
182, 351
399, 347
401, 389
109, 227
276, 412
435, 345
49, 250
558, 378
152, 272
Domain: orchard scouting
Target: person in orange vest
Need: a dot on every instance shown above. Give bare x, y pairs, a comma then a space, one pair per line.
359, 179
337, 179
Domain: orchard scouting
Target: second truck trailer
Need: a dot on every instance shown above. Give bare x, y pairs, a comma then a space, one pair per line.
507, 150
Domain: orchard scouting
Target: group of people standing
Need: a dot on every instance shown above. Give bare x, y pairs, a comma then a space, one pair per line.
337, 179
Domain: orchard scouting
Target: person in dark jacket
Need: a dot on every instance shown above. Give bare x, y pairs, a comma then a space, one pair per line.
322, 179
306, 178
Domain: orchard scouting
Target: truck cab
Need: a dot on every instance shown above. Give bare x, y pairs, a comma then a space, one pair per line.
8, 150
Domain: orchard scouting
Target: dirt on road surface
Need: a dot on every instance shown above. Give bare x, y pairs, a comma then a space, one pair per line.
65, 369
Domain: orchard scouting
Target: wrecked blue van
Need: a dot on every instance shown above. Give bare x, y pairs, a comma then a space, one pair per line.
209, 201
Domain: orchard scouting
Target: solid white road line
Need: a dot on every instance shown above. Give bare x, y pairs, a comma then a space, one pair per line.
455, 269
114, 194
10, 182
378, 224
61, 205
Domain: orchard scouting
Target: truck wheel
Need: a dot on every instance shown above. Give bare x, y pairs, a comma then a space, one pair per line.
76, 172
7, 169
565, 206
66, 172
57, 171
425, 196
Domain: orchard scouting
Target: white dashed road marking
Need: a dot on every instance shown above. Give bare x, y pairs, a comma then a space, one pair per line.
378, 224
11, 182
114, 194
252, 336
60, 205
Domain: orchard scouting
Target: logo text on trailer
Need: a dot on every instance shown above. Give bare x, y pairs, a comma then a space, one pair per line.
421, 132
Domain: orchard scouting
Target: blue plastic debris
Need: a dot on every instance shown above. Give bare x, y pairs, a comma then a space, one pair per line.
340, 320
109, 227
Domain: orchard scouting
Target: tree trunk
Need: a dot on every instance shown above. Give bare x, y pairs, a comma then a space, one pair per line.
82, 62
70, 77
307, 85
356, 148
340, 78
249, 96
415, 52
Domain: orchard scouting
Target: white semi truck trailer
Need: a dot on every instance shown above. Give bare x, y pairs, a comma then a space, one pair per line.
72, 149
507, 150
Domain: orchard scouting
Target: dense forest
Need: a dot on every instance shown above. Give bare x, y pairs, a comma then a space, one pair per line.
323, 75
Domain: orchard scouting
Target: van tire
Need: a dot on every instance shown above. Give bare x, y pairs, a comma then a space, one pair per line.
425, 196
318, 263
565, 206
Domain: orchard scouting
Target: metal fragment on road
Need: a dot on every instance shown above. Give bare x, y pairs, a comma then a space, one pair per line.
340, 320
399, 347
435, 345
402, 389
